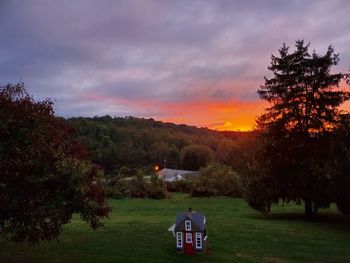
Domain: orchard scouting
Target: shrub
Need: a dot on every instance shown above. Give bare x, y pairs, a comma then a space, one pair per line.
137, 186
182, 186
216, 180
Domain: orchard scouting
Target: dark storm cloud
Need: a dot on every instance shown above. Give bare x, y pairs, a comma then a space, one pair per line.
156, 51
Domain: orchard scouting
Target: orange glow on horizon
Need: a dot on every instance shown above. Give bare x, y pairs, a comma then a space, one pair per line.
232, 126
223, 116
220, 116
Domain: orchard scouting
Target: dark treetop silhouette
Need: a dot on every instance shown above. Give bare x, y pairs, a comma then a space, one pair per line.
293, 160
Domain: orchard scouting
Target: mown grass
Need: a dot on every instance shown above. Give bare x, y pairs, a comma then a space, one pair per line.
137, 232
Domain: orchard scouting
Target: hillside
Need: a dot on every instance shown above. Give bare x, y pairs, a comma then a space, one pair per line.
135, 143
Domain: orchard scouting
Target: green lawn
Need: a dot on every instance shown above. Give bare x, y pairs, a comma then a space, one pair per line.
137, 232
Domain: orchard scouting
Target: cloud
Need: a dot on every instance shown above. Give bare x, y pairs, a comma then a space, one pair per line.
157, 58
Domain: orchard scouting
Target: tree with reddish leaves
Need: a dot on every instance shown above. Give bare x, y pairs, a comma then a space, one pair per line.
45, 176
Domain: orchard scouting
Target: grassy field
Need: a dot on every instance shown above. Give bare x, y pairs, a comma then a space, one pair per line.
137, 232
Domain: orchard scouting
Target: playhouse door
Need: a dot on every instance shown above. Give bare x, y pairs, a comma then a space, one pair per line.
189, 244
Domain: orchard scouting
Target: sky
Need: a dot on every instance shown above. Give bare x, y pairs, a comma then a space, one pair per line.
183, 61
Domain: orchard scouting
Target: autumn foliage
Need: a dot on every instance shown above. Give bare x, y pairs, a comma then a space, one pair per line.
44, 174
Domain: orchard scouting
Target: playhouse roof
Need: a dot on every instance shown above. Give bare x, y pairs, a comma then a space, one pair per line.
197, 218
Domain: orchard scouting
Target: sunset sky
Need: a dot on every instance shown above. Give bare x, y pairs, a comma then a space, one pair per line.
183, 61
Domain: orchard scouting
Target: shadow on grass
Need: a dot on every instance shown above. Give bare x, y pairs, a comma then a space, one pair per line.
329, 220
321, 218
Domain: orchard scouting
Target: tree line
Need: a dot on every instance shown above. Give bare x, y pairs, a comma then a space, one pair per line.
117, 143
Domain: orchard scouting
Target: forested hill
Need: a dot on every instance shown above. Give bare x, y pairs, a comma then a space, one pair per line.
138, 143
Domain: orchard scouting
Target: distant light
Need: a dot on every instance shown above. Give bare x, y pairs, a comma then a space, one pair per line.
156, 168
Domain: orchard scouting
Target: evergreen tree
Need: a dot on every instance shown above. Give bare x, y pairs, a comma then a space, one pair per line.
304, 96
303, 93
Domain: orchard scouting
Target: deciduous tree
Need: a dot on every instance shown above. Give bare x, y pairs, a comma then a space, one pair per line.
44, 174
195, 156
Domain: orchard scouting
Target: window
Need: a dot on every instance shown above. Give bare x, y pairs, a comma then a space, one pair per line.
178, 239
188, 225
198, 240
189, 238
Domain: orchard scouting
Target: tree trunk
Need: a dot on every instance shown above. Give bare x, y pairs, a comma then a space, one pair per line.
307, 208
310, 208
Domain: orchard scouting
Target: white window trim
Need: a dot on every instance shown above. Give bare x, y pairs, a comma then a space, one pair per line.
188, 225
189, 238
199, 238
179, 240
